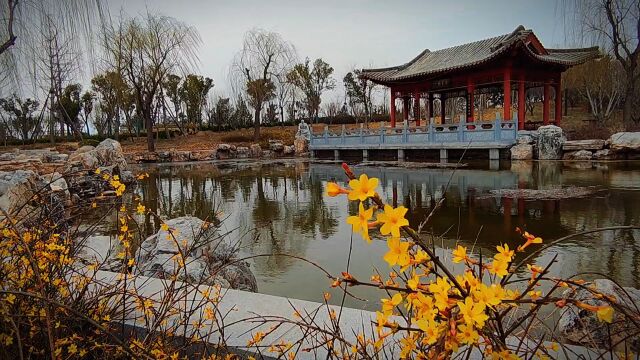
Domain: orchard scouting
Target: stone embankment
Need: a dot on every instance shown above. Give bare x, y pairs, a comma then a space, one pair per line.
550, 143
276, 149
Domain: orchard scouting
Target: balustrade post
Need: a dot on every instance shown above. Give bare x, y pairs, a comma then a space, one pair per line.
342, 135
461, 126
361, 133
405, 131
326, 134
497, 128
382, 134
431, 135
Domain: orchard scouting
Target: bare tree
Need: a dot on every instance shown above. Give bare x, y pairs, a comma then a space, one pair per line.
600, 82
149, 48
615, 25
257, 66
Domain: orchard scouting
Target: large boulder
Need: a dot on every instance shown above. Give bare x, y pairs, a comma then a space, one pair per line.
209, 257
605, 154
527, 137
101, 250
17, 189
625, 142
578, 155
522, 152
256, 150
242, 152
583, 327
550, 141
107, 153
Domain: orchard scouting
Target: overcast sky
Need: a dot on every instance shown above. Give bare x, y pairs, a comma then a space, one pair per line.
351, 33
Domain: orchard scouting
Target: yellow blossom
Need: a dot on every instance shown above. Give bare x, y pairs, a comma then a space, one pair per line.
431, 330
504, 253
334, 189
472, 313
398, 253
605, 314
140, 209
363, 188
460, 254
392, 220
389, 304
499, 267
360, 222
467, 335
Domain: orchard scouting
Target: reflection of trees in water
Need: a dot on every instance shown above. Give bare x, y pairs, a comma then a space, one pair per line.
280, 204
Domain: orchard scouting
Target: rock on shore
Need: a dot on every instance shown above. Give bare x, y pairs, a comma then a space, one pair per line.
209, 257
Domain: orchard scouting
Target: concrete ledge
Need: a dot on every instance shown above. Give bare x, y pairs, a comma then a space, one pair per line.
241, 314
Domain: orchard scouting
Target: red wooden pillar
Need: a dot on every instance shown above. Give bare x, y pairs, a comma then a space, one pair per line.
443, 109
522, 102
545, 102
416, 106
506, 86
558, 111
430, 107
405, 107
470, 102
393, 108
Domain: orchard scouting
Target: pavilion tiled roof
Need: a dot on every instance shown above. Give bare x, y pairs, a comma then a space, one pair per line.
477, 53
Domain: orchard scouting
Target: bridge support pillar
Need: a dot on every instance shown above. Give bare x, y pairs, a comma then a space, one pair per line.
494, 154
400, 154
312, 154
494, 164
336, 154
444, 155
365, 154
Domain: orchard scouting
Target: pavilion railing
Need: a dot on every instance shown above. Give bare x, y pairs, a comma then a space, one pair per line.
497, 131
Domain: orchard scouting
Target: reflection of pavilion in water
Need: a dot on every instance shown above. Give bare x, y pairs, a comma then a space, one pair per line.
468, 205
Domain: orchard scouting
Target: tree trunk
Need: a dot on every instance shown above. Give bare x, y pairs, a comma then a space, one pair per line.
256, 124
627, 107
148, 122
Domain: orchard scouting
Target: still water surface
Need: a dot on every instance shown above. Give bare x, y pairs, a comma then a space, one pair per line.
281, 207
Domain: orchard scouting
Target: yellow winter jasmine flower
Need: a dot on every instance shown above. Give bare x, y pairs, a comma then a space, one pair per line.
140, 209
472, 313
467, 335
460, 254
530, 239
392, 220
334, 189
605, 314
398, 253
487, 295
431, 330
420, 257
440, 290
164, 227
360, 222
504, 253
363, 188
389, 304
499, 268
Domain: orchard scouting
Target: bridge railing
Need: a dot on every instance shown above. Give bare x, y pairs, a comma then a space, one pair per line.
462, 132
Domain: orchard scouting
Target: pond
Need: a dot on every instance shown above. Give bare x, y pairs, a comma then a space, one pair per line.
280, 207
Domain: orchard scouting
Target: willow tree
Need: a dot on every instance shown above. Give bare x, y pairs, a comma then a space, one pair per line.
21, 25
264, 57
615, 26
147, 49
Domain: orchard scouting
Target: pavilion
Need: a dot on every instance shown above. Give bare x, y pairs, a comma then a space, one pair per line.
512, 62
